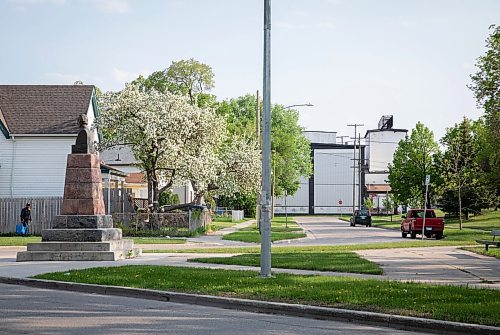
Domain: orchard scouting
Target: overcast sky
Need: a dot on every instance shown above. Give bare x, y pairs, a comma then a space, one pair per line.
355, 60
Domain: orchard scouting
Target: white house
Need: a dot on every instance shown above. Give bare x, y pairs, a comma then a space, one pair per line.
38, 125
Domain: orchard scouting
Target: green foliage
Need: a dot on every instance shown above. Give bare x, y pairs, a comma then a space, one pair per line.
291, 152
464, 191
168, 198
389, 203
245, 202
184, 77
453, 303
369, 203
486, 89
413, 160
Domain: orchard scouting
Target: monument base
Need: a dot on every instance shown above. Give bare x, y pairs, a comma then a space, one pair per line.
93, 240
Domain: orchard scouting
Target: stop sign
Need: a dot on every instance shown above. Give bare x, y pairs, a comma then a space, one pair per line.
340, 202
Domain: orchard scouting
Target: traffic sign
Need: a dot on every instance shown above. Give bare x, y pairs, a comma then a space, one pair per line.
427, 179
340, 202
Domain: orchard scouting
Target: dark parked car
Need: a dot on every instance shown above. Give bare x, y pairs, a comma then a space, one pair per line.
362, 216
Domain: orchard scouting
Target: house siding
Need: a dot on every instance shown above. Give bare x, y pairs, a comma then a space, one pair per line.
38, 169
39, 165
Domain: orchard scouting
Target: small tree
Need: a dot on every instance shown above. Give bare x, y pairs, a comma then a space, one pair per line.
463, 184
413, 160
369, 203
389, 204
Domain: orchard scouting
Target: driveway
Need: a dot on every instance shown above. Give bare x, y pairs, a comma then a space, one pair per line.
329, 230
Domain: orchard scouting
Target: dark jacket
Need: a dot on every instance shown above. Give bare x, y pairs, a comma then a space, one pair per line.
26, 214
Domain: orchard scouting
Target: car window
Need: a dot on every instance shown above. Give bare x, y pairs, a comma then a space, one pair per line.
366, 213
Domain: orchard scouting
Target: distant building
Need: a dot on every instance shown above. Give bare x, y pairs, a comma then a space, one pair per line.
122, 158
381, 143
330, 189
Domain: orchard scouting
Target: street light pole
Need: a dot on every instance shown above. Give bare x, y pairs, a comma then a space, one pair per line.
356, 125
299, 105
265, 200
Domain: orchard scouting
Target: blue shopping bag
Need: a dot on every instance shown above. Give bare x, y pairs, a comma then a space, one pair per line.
20, 229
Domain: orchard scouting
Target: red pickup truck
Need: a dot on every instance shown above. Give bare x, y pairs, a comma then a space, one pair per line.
413, 221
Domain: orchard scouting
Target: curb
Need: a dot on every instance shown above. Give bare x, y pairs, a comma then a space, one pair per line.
297, 310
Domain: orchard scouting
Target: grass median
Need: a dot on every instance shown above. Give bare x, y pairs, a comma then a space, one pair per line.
340, 261
281, 229
480, 306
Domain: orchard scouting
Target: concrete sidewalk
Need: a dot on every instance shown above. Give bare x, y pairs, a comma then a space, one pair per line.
433, 265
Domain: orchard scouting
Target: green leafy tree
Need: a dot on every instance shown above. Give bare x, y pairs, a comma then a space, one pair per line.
413, 160
290, 148
389, 204
369, 203
486, 88
464, 188
186, 77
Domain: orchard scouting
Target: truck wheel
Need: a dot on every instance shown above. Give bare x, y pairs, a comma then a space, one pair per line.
439, 236
403, 234
413, 234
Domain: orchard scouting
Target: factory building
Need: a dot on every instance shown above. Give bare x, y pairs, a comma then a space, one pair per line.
344, 175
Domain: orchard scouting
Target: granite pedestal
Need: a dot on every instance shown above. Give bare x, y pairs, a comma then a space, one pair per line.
83, 232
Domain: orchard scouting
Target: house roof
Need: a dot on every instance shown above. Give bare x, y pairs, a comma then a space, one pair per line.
119, 155
136, 178
43, 109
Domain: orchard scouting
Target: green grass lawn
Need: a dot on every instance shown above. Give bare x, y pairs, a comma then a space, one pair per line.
280, 230
221, 222
339, 261
481, 306
492, 251
157, 240
18, 240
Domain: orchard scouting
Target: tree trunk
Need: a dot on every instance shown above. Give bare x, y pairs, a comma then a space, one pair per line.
460, 206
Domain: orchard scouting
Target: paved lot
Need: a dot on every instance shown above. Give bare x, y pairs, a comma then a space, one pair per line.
328, 230
28, 310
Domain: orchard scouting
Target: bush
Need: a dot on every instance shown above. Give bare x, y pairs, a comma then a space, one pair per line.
247, 203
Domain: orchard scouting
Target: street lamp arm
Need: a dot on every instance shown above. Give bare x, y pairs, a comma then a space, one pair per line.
299, 105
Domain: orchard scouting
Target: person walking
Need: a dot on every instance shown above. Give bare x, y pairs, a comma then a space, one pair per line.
26, 218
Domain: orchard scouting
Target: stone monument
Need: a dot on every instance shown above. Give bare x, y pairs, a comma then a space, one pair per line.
83, 231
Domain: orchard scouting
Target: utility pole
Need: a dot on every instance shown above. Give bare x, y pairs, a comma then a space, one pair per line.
342, 139
356, 125
360, 198
265, 198
257, 131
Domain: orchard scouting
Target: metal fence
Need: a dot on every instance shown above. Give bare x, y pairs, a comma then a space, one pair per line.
42, 212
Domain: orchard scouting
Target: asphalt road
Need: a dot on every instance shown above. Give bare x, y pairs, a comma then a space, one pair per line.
328, 230
26, 310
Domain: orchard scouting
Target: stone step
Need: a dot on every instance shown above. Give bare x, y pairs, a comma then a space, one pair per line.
27, 256
81, 235
82, 221
81, 246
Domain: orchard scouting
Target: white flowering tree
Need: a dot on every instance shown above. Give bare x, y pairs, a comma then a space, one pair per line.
158, 127
233, 167
175, 141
